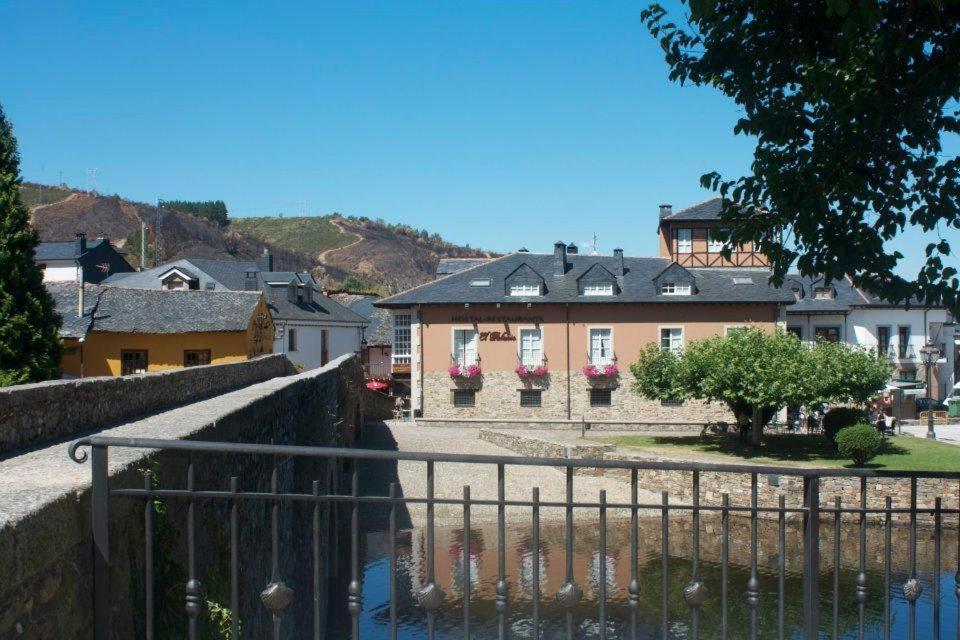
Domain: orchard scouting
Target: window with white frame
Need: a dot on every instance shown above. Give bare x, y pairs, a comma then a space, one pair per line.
684, 240
531, 347
480, 282
675, 289
465, 347
400, 352
671, 338
715, 244
523, 289
598, 289
601, 346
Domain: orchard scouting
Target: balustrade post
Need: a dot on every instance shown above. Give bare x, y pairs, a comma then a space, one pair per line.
811, 557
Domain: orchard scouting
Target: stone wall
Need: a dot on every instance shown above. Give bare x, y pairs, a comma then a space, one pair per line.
498, 398
32, 414
45, 542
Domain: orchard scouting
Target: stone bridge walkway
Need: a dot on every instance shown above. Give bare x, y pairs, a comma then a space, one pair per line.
449, 478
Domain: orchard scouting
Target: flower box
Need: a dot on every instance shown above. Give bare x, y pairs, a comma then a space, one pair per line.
600, 372
467, 372
525, 371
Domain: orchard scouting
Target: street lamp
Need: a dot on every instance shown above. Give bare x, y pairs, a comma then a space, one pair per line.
930, 354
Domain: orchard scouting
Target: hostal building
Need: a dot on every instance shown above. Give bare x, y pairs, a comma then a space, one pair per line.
550, 337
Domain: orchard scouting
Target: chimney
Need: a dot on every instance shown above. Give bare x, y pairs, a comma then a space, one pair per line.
559, 258
618, 260
666, 210
81, 243
250, 280
80, 298
266, 260
572, 249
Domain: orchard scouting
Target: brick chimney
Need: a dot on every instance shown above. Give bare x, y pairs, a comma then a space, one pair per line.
250, 280
559, 258
266, 260
80, 244
666, 210
618, 260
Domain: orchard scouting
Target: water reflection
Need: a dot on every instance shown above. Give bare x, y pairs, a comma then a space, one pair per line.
520, 556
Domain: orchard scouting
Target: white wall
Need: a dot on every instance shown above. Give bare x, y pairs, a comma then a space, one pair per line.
61, 271
340, 340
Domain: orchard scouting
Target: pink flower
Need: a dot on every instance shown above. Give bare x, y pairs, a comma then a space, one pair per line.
472, 371
540, 371
522, 371
591, 371
455, 371
610, 370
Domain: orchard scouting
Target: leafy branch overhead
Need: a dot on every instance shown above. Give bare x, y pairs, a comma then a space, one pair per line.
850, 104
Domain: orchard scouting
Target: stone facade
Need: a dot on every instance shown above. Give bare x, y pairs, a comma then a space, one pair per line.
45, 542
498, 399
31, 414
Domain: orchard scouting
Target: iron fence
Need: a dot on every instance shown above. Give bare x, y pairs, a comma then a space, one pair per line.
277, 595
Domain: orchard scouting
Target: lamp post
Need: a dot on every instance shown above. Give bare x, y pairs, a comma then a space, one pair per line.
930, 354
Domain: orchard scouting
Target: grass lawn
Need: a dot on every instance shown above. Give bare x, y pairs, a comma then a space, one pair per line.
899, 453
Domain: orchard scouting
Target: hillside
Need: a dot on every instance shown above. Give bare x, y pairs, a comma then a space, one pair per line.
360, 252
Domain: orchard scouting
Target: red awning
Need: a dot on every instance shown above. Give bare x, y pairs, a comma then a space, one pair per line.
377, 385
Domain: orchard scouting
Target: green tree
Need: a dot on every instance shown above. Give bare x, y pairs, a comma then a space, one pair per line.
29, 342
214, 210
755, 372
849, 104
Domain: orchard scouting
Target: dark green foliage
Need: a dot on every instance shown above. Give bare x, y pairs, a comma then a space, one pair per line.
839, 418
29, 342
860, 443
215, 210
849, 104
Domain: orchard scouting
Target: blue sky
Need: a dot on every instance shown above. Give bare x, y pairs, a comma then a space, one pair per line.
497, 124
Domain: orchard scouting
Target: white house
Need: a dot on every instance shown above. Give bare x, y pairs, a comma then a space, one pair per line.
842, 312
311, 328
78, 260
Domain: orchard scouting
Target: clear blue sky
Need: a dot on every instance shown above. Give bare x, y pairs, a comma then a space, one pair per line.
494, 124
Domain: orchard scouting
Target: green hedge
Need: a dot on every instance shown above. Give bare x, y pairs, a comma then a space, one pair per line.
839, 418
860, 443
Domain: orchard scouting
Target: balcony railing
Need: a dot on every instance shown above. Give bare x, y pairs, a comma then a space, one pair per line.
730, 609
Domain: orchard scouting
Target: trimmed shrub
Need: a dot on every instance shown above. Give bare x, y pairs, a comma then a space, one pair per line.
839, 418
860, 443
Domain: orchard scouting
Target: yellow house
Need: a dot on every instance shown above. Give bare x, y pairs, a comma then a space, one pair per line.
127, 331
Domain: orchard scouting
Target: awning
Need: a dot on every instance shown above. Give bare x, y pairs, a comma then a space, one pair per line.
377, 385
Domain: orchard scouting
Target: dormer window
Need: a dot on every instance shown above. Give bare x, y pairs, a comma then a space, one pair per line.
675, 288
524, 289
823, 293
598, 289
684, 240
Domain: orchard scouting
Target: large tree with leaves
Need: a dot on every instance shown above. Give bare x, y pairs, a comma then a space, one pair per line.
756, 372
29, 343
850, 104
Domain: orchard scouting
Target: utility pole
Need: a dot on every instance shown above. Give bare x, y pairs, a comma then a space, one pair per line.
92, 179
303, 208
158, 234
143, 245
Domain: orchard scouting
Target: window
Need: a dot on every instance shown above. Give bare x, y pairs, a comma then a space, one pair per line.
830, 334
464, 397
675, 289
903, 334
797, 331
671, 403
480, 282
601, 346
823, 293
883, 340
531, 397
671, 338
196, 357
684, 240
521, 289
299, 293
400, 352
742, 280
133, 362
601, 397
715, 244
465, 347
601, 289
734, 327
291, 339
531, 347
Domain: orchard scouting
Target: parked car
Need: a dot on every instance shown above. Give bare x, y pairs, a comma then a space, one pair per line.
923, 404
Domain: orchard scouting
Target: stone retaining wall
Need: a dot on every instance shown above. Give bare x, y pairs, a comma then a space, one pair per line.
45, 541
543, 447
32, 414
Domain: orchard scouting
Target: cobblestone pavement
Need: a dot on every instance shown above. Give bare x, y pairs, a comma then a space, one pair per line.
449, 478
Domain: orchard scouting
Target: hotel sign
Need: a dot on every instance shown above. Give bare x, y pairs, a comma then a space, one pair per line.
497, 336
497, 319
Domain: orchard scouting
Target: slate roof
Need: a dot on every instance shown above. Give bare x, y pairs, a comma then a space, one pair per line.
378, 333
447, 266
706, 210
66, 298
230, 275
62, 250
155, 311
636, 285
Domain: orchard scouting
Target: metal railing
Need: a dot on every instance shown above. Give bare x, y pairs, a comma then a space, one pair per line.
429, 596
